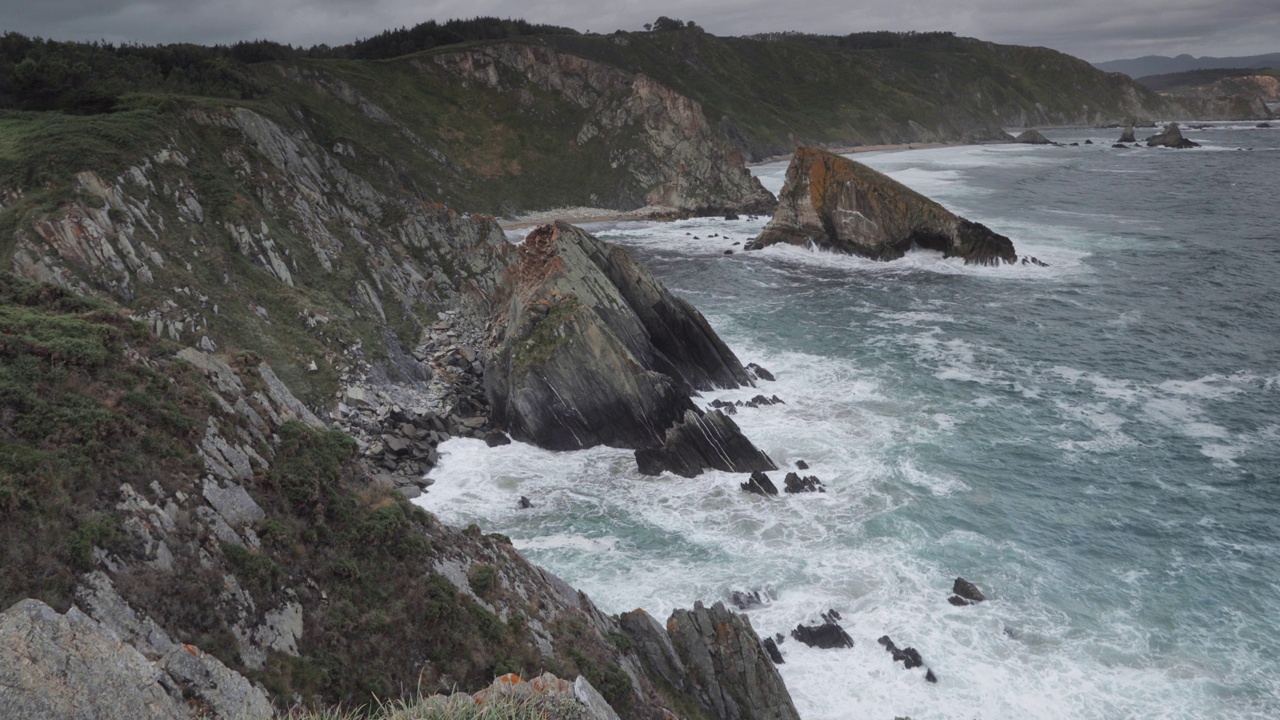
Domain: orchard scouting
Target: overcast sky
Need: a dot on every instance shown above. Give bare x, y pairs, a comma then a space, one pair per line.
1096, 30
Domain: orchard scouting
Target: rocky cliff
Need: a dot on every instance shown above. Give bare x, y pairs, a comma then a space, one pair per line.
194, 543
593, 349
834, 203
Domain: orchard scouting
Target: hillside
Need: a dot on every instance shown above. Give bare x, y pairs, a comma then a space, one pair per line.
1163, 65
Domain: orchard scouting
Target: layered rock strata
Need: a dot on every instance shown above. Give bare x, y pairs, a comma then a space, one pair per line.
593, 349
833, 203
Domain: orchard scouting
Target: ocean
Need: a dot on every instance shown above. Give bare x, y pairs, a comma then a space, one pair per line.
1095, 444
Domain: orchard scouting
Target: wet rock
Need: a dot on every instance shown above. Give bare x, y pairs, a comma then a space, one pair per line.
958, 601
793, 483
967, 590
802, 465
496, 438
1127, 136
1088, 142
748, 599
1171, 137
702, 441
728, 252
524, 503
834, 203
826, 636
730, 216
1263, 125
760, 484
928, 675
771, 648
908, 656
759, 372
1120, 146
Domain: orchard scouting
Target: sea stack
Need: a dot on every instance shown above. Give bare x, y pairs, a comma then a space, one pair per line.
834, 203
1033, 137
1171, 137
1127, 136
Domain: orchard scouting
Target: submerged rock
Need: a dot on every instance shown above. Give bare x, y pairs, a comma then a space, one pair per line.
1171, 137
834, 203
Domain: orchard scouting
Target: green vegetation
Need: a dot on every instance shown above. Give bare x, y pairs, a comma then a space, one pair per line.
545, 335
495, 706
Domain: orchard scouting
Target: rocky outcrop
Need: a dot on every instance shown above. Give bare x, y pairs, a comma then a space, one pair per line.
1126, 136
701, 441
593, 349
833, 203
1033, 137
1171, 137
668, 153
70, 666
826, 635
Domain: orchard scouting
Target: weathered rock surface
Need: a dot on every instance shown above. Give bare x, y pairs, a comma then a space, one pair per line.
826, 635
702, 441
967, 590
732, 675
1127, 136
595, 350
793, 483
70, 666
1171, 137
834, 203
759, 484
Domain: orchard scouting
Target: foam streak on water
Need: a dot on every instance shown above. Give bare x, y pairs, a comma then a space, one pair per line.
1095, 444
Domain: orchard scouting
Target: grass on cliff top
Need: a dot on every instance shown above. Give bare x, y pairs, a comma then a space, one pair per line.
503, 706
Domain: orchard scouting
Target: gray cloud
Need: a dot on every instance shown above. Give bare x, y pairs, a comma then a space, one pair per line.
1093, 29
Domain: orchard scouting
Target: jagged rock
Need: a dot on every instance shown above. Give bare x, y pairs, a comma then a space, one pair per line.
908, 656
930, 676
967, 590
958, 601
1033, 137
825, 636
760, 484
1088, 142
524, 503
802, 465
747, 599
1171, 137
596, 350
835, 203
653, 645
759, 372
775, 654
793, 483
732, 675
496, 438
1127, 136
701, 441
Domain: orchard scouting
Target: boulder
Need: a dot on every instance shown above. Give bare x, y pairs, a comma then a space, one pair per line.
967, 590
1033, 137
1171, 137
496, 438
731, 673
593, 349
825, 636
1127, 135
802, 465
834, 203
775, 654
760, 484
700, 441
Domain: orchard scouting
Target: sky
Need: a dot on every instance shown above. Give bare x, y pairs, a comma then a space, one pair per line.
1096, 30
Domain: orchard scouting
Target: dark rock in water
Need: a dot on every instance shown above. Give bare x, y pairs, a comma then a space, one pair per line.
1032, 260
908, 656
1075, 144
802, 465
524, 503
703, 441
730, 216
1088, 142
795, 484
1033, 137
596, 350
1263, 125
771, 648
930, 676
728, 252
1171, 137
747, 599
759, 372
1119, 145
835, 203
1127, 136
760, 484
958, 601
726, 666
495, 438
967, 590
825, 636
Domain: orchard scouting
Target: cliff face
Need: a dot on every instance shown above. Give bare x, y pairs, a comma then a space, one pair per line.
659, 140
593, 349
207, 549
1242, 97
832, 202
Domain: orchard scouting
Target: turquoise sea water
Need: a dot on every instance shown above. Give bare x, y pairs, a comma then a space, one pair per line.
1096, 444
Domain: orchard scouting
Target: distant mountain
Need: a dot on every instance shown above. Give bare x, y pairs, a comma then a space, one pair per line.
1161, 65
